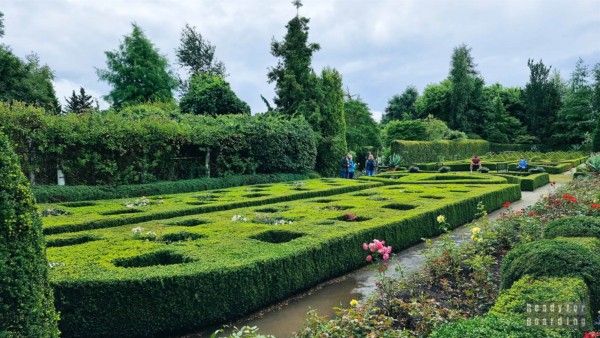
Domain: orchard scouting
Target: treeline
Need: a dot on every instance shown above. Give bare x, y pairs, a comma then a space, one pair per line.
548, 110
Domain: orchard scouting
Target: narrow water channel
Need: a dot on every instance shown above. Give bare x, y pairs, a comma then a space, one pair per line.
287, 317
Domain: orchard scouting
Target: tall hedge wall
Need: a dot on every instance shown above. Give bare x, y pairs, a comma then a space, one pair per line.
26, 301
437, 151
124, 148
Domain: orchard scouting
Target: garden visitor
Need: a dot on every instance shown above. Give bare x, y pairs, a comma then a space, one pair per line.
345, 163
475, 163
370, 165
351, 167
522, 165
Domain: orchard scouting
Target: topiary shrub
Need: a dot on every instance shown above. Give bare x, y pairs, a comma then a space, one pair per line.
492, 326
578, 226
26, 300
484, 170
554, 258
414, 169
537, 170
444, 169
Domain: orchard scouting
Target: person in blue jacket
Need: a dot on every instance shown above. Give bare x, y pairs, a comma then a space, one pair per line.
344, 165
370, 165
351, 167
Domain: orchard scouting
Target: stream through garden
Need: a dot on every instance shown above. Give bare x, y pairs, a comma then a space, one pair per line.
287, 317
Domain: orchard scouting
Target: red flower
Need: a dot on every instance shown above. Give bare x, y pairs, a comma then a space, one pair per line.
596, 206
506, 205
569, 198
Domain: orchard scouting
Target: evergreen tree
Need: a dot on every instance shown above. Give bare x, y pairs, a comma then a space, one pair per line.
295, 81
79, 103
26, 300
361, 129
332, 125
402, 107
210, 94
197, 54
500, 126
466, 86
435, 101
576, 119
542, 101
137, 72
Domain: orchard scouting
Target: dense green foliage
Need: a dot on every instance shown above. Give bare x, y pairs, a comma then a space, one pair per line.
26, 81
492, 326
428, 129
55, 193
401, 107
121, 148
555, 258
596, 139
281, 248
26, 300
580, 226
465, 90
137, 72
332, 144
413, 152
542, 100
208, 94
362, 132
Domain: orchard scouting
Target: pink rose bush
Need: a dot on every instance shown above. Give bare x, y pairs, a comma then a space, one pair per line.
377, 250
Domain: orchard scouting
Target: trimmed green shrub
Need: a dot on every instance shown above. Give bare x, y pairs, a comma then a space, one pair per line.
578, 226
529, 290
413, 152
250, 262
528, 182
554, 258
54, 193
26, 300
596, 140
492, 326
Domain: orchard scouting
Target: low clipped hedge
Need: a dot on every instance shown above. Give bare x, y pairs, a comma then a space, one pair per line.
231, 270
413, 152
529, 290
492, 326
109, 213
578, 226
529, 182
55, 193
556, 258
394, 177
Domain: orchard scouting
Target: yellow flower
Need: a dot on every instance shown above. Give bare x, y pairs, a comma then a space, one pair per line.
441, 219
353, 302
475, 230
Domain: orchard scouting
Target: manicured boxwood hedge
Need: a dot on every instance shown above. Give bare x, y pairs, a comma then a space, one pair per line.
397, 177
110, 213
578, 226
493, 326
529, 290
413, 152
71, 193
239, 267
528, 182
556, 258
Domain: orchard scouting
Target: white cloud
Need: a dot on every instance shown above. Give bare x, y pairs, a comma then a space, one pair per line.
379, 46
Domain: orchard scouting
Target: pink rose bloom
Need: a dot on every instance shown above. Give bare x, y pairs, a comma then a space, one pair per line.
386, 257
369, 258
365, 246
372, 247
381, 251
379, 245
388, 250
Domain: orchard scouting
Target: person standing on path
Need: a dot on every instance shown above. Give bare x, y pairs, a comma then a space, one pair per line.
351, 167
370, 165
344, 165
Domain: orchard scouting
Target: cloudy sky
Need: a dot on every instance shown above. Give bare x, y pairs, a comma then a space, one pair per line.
380, 46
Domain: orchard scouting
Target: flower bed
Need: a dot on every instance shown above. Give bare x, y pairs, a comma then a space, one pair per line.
166, 276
